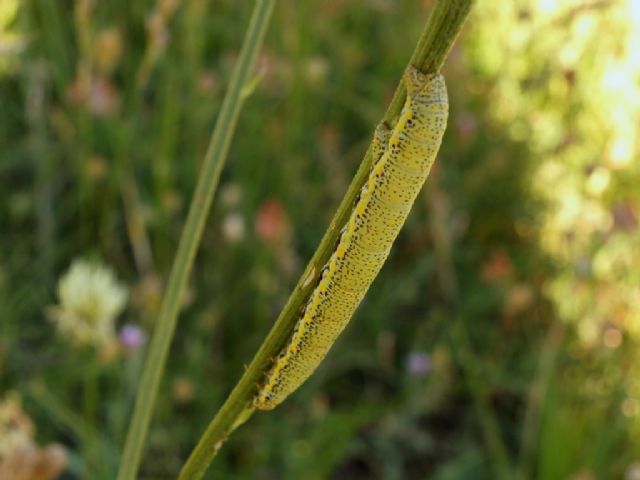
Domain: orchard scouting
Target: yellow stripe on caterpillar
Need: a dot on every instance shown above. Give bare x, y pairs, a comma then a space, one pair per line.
403, 157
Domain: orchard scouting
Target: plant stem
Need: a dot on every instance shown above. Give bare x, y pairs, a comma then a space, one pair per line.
435, 42
191, 234
444, 241
536, 399
432, 48
94, 442
496, 448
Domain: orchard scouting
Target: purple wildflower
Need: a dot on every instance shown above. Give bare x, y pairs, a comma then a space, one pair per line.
132, 336
419, 364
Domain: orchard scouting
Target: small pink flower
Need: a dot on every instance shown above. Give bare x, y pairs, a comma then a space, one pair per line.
272, 224
419, 364
497, 267
467, 125
132, 336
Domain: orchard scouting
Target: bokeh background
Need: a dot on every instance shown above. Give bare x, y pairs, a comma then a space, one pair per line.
501, 336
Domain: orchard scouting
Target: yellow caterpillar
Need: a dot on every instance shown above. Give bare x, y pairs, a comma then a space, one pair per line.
404, 157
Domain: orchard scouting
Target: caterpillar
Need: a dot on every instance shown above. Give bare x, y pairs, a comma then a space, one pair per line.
403, 157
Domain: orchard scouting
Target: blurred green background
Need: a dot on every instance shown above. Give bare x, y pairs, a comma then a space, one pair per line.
503, 332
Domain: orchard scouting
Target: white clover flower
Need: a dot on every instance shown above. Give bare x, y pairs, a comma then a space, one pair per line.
90, 299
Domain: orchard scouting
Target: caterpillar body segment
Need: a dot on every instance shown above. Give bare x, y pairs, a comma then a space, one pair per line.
403, 157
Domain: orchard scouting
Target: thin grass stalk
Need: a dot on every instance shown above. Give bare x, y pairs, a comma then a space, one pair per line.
190, 239
438, 204
94, 442
466, 358
434, 44
536, 399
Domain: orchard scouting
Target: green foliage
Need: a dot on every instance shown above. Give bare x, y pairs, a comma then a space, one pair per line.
100, 146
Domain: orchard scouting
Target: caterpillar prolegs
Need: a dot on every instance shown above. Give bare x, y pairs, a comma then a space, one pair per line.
403, 157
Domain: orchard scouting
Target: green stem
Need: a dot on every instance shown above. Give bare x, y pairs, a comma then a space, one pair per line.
444, 242
191, 234
537, 398
437, 38
432, 49
496, 448
94, 442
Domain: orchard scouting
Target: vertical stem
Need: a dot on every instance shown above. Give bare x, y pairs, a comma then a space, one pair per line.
432, 48
448, 279
191, 234
496, 447
536, 399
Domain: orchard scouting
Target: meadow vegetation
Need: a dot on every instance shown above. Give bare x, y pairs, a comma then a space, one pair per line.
499, 339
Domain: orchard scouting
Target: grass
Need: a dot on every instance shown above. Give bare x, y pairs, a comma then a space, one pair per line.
368, 412
190, 238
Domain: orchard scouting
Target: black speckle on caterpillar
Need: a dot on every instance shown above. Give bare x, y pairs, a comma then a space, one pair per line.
403, 157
